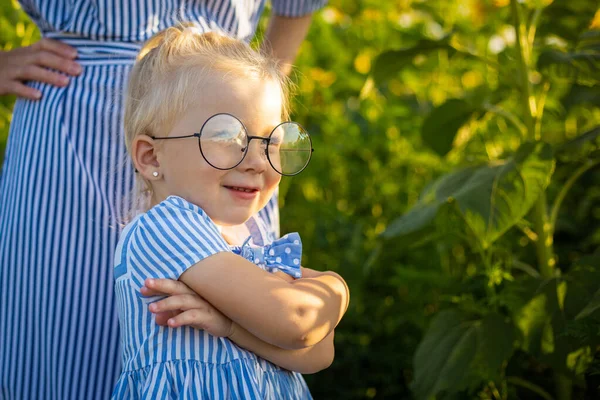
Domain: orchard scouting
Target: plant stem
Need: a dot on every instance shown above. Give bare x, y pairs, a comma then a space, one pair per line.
540, 214
493, 108
542, 226
528, 385
523, 58
563, 385
544, 243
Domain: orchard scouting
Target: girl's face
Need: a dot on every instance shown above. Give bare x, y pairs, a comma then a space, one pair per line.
232, 196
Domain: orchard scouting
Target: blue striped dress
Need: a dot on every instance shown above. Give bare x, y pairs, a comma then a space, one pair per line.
64, 187
182, 363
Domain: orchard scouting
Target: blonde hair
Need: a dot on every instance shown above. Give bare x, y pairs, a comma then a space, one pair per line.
160, 89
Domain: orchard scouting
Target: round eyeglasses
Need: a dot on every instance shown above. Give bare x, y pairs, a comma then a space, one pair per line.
224, 141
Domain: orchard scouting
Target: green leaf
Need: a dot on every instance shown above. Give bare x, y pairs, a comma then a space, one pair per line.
389, 63
580, 147
583, 297
489, 199
582, 65
580, 94
441, 125
576, 66
592, 306
567, 18
534, 317
453, 346
543, 310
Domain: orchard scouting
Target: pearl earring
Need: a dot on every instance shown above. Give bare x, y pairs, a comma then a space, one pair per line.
155, 174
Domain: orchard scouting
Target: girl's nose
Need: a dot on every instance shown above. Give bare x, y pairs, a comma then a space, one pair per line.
256, 157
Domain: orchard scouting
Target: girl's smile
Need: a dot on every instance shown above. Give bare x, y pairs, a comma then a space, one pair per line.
243, 192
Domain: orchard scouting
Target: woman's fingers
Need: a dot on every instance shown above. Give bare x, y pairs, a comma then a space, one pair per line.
51, 60
40, 74
20, 89
166, 287
44, 61
57, 47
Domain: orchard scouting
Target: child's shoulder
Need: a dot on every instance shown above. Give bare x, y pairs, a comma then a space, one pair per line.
169, 217
173, 209
174, 232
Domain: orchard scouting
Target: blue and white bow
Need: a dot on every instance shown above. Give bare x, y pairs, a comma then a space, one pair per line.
283, 254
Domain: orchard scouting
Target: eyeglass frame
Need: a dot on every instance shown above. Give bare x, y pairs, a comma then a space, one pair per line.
263, 139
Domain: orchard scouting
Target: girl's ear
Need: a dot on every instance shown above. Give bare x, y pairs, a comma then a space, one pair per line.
143, 153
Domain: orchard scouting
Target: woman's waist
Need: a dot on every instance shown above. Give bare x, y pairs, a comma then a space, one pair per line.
99, 52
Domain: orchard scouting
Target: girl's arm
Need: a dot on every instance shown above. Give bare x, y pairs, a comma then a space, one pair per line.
290, 315
308, 360
184, 307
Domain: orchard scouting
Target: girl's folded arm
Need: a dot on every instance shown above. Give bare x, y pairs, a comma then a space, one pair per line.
308, 360
288, 315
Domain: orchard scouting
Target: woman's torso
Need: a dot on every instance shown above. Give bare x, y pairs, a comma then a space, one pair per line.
137, 21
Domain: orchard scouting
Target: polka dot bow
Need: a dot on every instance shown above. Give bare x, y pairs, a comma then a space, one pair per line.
283, 254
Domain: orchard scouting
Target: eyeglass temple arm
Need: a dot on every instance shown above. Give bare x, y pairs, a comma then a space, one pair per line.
175, 137
171, 137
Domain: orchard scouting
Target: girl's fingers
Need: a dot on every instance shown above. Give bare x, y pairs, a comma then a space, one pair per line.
162, 318
180, 302
191, 318
57, 47
310, 273
51, 60
149, 292
214, 323
167, 286
284, 276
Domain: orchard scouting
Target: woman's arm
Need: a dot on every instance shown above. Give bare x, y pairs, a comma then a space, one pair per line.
183, 307
284, 36
290, 315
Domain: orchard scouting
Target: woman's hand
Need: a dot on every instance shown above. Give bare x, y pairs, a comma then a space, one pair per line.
34, 63
184, 307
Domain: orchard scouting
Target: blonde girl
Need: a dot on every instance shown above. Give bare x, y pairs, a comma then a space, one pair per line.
204, 129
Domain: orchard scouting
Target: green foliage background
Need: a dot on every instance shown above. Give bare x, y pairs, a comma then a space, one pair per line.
396, 95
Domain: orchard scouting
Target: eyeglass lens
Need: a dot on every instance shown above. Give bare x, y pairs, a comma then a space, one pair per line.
223, 143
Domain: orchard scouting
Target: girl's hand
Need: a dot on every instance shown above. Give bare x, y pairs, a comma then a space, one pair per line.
184, 307
33, 63
310, 273
284, 276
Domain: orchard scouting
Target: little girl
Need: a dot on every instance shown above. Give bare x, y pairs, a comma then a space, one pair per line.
203, 123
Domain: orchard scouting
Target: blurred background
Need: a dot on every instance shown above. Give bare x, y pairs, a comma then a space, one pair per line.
455, 185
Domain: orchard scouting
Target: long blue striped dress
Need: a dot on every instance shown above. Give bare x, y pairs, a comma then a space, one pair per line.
184, 363
63, 190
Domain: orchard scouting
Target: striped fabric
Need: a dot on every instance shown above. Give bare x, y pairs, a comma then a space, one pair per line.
135, 21
64, 187
160, 362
